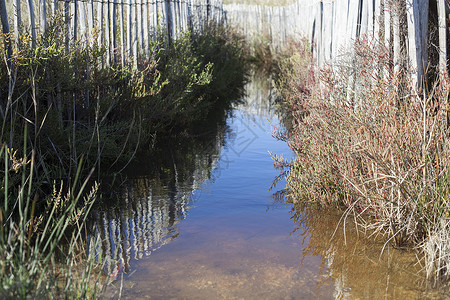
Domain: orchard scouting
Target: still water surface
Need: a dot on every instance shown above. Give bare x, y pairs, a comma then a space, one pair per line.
206, 226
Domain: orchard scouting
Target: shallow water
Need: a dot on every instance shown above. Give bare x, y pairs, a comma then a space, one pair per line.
206, 226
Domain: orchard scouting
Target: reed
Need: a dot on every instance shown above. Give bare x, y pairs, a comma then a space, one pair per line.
36, 229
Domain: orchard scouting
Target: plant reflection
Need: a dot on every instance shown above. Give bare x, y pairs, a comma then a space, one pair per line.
142, 215
357, 263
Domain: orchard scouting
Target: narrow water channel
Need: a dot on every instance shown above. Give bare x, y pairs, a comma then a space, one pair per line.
207, 227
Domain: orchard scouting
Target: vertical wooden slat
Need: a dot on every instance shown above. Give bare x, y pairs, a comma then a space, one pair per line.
396, 11
90, 18
5, 29
17, 21
178, 17
146, 28
53, 6
82, 14
67, 22
114, 30
154, 20
182, 14
189, 13
74, 21
414, 44
100, 14
134, 33
170, 20
129, 29
107, 20
387, 23
32, 23
424, 10
166, 19
140, 30
377, 19
42, 15
442, 39
122, 34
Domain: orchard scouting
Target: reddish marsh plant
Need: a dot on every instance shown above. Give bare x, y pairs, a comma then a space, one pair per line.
367, 142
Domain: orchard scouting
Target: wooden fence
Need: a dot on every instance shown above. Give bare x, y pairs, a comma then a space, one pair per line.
328, 24
125, 27
332, 26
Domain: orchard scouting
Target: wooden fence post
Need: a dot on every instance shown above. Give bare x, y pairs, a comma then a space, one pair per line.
90, 20
74, 21
54, 5
377, 19
42, 15
415, 45
113, 25
134, 34
129, 29
67, 22
396, 11
100, 22
167, 21
5, 29
146, 29
82, 14
122, 34
442, 39
17, 22
140, 30
32, 23
107, 12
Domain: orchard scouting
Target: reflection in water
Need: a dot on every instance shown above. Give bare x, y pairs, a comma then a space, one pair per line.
157, 196
142, 225
259, 100
330, 26
240, 241
236, 242
361, 267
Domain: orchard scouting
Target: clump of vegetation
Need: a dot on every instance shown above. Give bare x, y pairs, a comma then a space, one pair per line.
366, 142
35, 230
80, 107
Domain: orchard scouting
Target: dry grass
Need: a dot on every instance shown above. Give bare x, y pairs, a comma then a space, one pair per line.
365, 141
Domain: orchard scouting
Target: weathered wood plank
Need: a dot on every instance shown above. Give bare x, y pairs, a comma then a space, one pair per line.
414, 41
100, 22
42, 16
17, 21
129, 28
134, 33
5, 28
122, 33
114, 30
90, 18
140, 29
396, 12
32, 23
107, 20
442, 39
82, 14
146, 28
